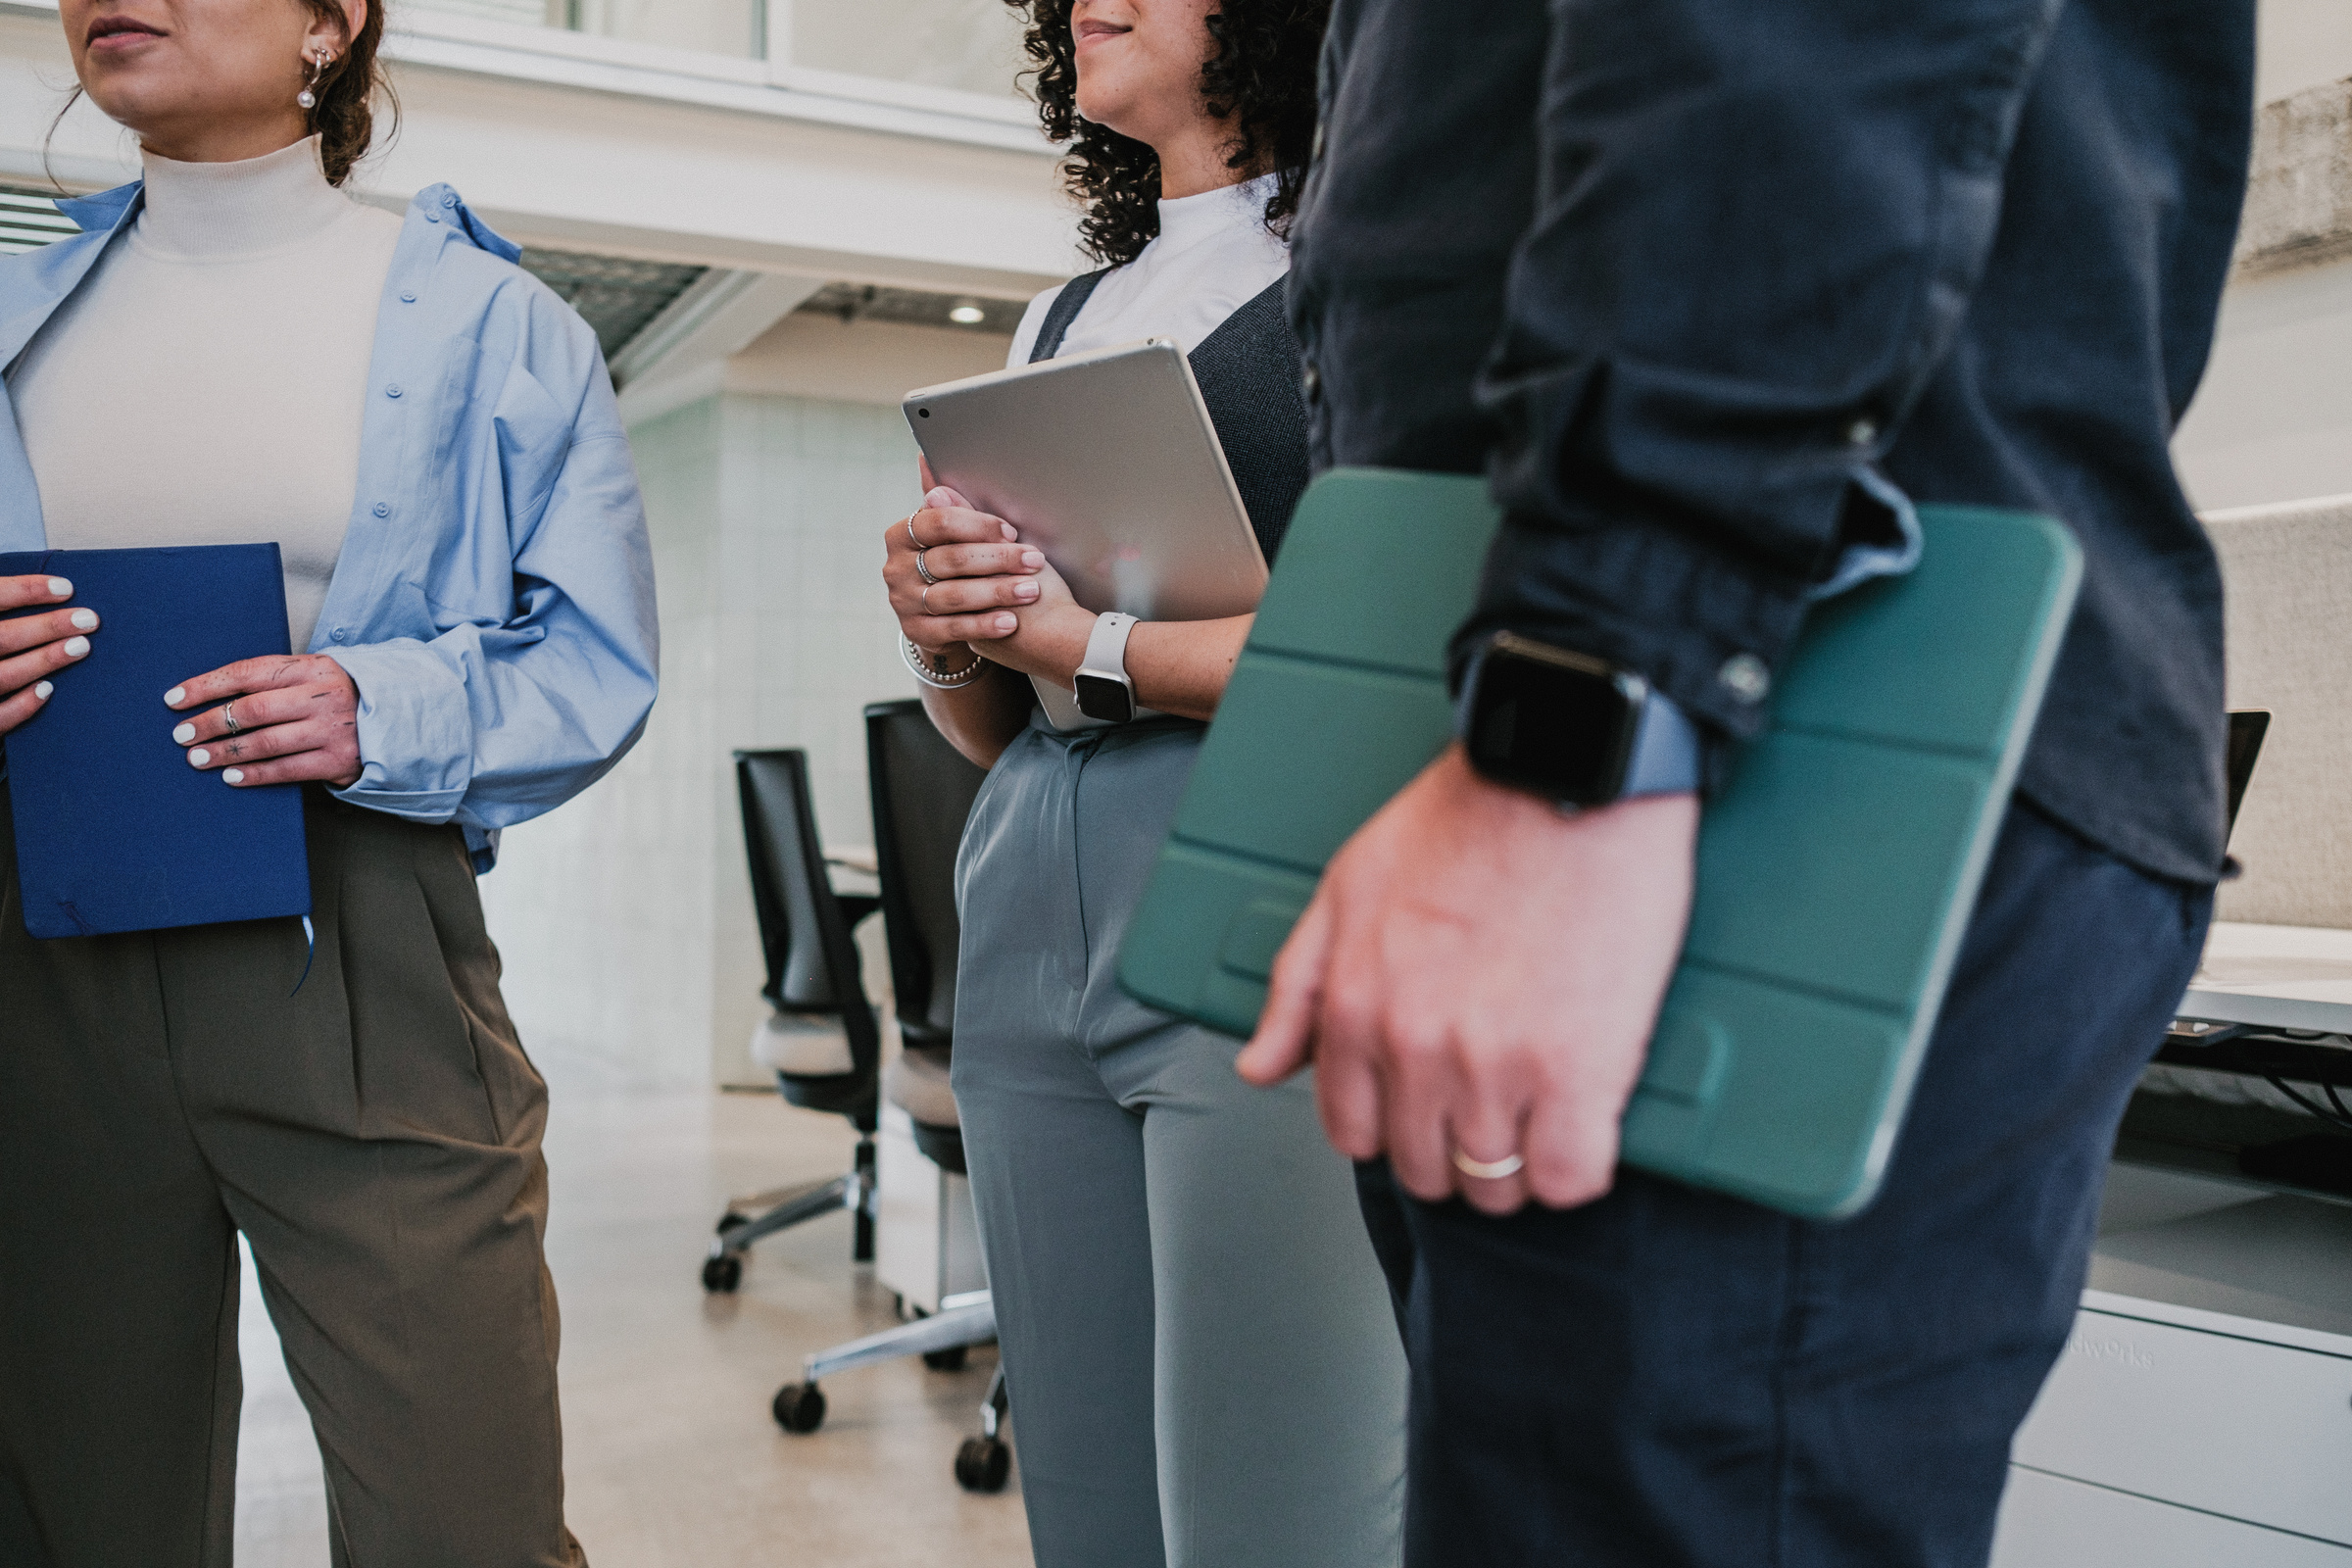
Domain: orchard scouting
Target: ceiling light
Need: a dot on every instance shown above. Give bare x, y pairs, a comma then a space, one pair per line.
967, 313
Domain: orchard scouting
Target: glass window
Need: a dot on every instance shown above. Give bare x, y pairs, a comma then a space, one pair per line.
530, 13
734, 27
974, 45
968, 45
737, 27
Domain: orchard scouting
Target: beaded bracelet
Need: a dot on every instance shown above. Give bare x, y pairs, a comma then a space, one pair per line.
932, 675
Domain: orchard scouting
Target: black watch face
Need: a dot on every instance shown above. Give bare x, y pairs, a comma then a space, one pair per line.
1559, 732
1100, 697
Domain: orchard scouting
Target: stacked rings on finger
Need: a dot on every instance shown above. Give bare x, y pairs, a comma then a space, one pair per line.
228, 716
921, 571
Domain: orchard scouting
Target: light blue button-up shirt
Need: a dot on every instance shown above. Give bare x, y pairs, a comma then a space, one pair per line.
494, 601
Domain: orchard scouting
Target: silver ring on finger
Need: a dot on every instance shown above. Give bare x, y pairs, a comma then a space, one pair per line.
1488, 1170
228, 716
922, 570
925, 600
914, 544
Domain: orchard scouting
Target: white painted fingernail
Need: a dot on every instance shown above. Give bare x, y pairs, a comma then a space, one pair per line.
235, 775
85, 620
41, 691
176, 696
199, 756
184, 734
60, 587
75, 647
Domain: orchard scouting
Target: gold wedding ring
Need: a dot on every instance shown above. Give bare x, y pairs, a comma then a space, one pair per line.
1488, 1170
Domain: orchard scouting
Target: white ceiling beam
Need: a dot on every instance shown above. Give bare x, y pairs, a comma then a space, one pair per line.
720, 316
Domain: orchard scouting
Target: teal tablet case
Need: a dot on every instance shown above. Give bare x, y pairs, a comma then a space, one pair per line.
1836, 866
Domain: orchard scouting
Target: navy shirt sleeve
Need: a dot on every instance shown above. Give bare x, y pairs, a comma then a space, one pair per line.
1755, 231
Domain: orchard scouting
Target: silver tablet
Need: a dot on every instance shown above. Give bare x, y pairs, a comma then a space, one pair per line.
1108, 464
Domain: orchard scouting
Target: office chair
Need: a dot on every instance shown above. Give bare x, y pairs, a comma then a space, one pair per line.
812, 968
922, 791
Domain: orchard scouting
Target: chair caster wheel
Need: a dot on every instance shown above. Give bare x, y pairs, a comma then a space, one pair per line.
983, 1464
948, 1360
799, 1408
720, 1275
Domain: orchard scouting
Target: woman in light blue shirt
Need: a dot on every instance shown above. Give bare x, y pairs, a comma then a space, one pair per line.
232, 351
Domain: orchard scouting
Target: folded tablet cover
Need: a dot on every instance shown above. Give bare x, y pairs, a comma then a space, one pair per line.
115, 830
1836, 867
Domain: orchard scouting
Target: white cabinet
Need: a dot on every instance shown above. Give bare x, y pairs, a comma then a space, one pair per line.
2246, 1428
2201, 1414
2050, 1522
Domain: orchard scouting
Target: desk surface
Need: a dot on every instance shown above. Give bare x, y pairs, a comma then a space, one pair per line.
2278, 976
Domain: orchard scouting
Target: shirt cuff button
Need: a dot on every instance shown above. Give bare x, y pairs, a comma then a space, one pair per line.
1745, 676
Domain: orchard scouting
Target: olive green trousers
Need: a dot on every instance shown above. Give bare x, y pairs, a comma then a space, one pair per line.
374, 1129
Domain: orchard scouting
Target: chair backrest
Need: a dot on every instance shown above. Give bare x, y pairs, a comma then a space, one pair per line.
2288, 573
812, 959
923, 790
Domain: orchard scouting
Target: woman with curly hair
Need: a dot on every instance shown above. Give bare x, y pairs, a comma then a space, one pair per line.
1197, 1339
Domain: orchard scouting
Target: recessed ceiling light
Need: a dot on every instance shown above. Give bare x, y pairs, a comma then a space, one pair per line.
967, 313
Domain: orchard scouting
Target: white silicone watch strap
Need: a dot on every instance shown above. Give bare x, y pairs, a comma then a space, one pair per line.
1106, 648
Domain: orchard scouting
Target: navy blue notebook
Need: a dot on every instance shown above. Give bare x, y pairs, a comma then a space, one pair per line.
115, 830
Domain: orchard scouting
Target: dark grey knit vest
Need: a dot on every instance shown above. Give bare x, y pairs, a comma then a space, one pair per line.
1249, 373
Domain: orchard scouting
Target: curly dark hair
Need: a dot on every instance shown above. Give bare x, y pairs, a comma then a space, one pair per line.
1262, 80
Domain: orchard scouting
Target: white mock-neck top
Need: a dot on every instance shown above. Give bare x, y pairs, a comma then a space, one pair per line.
1213, 255
205, 385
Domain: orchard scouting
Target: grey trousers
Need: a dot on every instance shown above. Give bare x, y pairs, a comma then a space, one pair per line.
1203, 1367
376, 1136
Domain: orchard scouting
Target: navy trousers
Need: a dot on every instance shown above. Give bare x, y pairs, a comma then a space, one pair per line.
1672, 1378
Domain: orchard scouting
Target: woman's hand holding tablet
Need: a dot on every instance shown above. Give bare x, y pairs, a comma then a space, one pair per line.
954, 573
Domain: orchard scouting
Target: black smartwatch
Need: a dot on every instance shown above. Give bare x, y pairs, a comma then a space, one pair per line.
1571, 728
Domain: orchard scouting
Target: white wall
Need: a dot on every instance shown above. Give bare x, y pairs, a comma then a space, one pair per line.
2272, 419
2299, 44
605, 910
626, 917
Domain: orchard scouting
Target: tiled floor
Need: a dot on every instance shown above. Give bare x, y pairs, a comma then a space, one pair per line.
673, 1461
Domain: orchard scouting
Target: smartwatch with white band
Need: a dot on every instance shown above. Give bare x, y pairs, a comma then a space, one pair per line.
1104, 691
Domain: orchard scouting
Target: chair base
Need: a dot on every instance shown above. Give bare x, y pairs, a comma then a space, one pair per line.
723, 1267
983, 1463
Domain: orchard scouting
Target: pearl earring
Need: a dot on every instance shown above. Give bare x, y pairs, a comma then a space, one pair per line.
308, 96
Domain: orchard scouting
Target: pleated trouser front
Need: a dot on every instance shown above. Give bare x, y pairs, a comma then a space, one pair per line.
373, 1128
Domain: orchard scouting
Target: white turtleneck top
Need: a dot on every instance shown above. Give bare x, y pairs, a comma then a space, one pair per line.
206, 383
